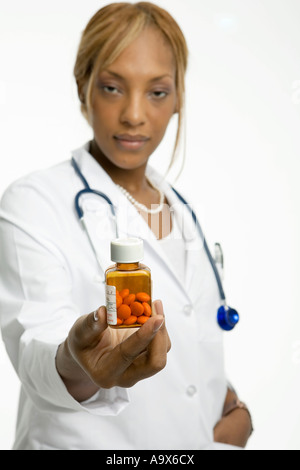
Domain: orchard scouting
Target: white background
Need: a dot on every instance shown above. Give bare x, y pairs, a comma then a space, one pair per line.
242, 169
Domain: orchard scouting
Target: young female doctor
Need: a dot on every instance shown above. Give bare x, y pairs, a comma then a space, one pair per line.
85, 385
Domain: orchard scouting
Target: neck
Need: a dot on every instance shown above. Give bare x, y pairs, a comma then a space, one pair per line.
133, 180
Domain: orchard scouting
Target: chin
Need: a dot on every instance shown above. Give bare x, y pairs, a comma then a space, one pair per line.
131, 162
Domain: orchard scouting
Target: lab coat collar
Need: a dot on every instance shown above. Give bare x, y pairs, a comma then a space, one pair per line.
129, 221
95, 175
193, 242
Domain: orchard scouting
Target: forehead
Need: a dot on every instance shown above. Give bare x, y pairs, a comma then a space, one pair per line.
149, 54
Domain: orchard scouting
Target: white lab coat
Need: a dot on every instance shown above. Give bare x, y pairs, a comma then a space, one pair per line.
49, 275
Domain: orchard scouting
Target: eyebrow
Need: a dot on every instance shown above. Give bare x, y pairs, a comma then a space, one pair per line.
120, 77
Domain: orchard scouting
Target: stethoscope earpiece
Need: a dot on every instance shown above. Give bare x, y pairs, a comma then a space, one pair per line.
227, 318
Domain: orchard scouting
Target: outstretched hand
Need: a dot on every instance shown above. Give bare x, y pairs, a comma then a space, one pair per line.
95, 355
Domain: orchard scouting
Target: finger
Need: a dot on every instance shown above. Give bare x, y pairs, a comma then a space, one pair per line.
160, 345
157, 307
152, 360
148, 356
159, 310
126, 352
88, 328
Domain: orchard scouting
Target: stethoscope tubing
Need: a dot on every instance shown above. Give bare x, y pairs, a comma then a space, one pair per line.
210, 257
226, 316
89, 190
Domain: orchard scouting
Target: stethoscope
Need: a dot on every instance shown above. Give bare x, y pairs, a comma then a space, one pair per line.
227, 317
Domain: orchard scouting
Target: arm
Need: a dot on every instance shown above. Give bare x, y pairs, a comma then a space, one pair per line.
39, 311
235, 426
95, 356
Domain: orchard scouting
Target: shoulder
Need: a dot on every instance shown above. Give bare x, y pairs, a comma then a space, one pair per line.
40, 202
46, 183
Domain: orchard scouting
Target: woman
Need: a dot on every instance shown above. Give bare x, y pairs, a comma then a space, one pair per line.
84, 385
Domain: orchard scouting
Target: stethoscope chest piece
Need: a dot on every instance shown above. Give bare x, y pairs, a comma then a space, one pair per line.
227, 317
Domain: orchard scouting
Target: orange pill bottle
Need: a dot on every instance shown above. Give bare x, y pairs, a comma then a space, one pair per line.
128, 285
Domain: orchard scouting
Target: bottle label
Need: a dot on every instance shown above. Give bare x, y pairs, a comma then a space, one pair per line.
111, 306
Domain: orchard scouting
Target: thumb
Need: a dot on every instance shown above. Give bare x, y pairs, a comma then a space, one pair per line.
99, 317
88, 328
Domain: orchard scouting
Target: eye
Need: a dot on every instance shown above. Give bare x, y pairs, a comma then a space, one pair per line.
112, 90
159, 94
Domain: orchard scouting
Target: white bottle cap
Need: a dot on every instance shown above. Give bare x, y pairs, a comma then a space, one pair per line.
127, 250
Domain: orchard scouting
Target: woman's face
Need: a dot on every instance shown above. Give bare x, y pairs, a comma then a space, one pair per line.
133, 101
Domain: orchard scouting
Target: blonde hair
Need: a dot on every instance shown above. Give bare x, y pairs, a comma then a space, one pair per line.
112, 29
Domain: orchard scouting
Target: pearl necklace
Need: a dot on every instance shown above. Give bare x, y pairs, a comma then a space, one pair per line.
142, 207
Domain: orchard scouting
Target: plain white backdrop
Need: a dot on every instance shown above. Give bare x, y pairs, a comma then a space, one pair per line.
241, 172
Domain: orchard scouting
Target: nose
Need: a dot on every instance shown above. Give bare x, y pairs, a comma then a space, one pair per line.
134, 110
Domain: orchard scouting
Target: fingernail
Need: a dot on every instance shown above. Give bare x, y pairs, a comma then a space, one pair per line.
158, 324
158, 307
96, 318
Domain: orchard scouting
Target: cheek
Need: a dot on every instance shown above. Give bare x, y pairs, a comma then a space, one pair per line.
161, 121
103, 117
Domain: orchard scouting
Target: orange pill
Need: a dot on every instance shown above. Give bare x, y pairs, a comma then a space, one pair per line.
142, 319
143, 297
147, 309
124, 312
124, 293
119, 300
119, 321
137, 308
131, 320
129, 299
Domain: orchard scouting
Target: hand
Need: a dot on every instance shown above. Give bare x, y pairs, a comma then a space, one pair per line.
236, 427
95, 355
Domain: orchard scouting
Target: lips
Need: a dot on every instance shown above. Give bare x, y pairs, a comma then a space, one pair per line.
130, 141
131, 138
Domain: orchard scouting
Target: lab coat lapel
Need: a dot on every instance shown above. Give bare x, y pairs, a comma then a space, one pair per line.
99, 238
102, 229
190, 234
98, 221
132, 224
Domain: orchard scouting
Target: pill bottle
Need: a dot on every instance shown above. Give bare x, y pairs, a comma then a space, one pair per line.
127, 285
